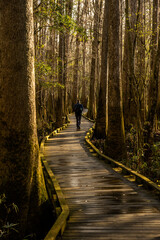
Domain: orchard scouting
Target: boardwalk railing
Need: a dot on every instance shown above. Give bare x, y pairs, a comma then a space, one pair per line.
139, 178
55, 194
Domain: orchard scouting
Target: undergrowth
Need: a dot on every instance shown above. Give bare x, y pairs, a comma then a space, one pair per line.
7, 210
136, 156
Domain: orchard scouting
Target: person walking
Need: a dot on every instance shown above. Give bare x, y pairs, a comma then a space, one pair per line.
78, 109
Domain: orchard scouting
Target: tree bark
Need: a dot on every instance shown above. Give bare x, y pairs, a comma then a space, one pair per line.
69, 8
100, 130
21, 173
84, 97
91, 109
115, 137
59, 105
153, 85
76, 64
129, 61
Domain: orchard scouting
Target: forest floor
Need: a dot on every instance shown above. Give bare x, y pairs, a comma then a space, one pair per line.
135, 157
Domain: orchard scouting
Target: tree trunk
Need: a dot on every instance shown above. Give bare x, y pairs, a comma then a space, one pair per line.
115, 137
153, 85
131, 13
21, 173
83, 98
69, 8
76, 64
140, 76
59, 104
91, 110
154, 32
100, 130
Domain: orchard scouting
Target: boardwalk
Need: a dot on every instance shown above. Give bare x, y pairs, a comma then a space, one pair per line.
103, 205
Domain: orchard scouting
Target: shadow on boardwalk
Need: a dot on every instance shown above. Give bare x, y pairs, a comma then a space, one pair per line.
103, 205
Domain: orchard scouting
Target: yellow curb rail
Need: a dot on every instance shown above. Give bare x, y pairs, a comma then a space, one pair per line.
139, 178
61, 222
91, 120
55, 194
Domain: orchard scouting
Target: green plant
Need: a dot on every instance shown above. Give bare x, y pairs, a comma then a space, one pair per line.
7, 210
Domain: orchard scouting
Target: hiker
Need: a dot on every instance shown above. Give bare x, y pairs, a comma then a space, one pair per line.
78, 108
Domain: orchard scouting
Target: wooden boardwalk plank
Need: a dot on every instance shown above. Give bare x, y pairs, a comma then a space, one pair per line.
103, 205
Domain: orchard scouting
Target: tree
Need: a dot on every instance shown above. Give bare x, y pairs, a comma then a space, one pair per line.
91, 109
76, 63
69, 8
100, 130
84, 15
21, 173
115, 135
131, 18
153, 86
60, 110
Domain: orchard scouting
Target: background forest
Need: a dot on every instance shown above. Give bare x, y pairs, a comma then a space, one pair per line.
75, 43
105, 53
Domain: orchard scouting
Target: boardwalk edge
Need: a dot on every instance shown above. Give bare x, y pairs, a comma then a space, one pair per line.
89, 119
139, 178
56, 196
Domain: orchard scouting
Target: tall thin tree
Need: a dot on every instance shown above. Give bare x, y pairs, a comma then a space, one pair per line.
91, 109
76, 63
115, 135
100, 130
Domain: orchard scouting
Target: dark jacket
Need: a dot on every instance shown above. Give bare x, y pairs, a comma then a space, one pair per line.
78, 109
